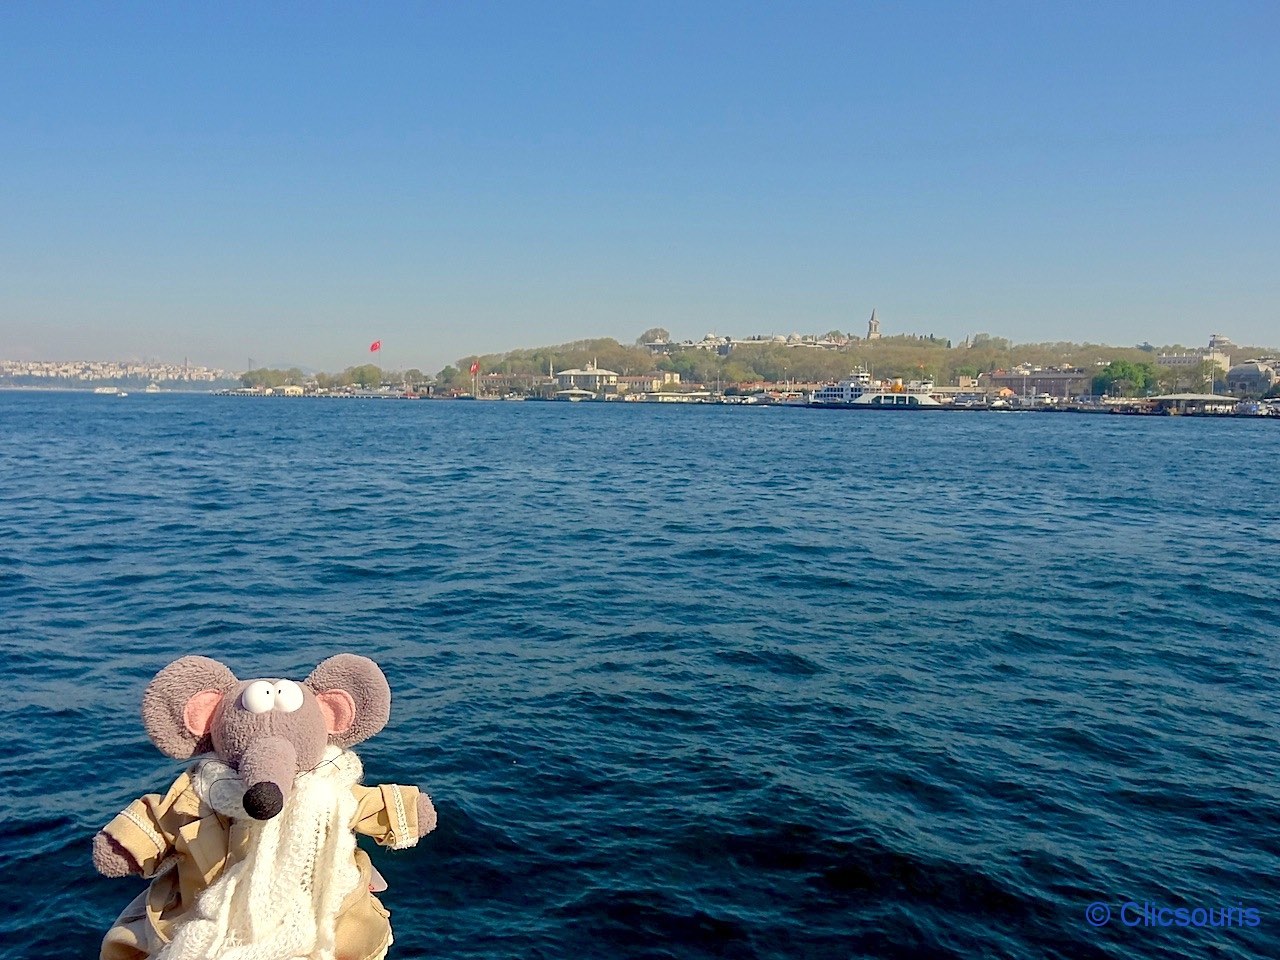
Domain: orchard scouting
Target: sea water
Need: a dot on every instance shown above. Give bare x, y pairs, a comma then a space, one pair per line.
683, 682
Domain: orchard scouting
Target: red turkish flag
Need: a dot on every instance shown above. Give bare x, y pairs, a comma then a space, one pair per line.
375, 346
475, 368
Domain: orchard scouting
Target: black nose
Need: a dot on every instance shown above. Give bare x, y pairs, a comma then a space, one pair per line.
263, 801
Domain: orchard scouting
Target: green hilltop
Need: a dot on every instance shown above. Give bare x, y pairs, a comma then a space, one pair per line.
916, 357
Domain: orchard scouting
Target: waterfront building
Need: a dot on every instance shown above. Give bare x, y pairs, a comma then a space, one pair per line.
590, 378
649, 382
1253, 376
1216, 355
1028, 381
521, 384
723, 346
689, 396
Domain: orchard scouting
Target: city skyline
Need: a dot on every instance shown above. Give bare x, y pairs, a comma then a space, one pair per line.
244, 182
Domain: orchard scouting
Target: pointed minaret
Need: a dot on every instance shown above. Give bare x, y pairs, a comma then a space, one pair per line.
873, 326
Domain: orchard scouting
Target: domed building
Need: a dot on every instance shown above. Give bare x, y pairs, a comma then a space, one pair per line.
1252, 377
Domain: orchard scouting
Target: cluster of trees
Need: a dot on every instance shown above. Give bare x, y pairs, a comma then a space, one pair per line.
1122, 378
605, 352
366, 376
1126, 379
269, 377
1203, 377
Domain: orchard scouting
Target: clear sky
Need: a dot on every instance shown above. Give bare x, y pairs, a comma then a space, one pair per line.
291, 181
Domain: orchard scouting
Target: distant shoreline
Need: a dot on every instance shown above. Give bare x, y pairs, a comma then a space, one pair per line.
1077, 409
128, 388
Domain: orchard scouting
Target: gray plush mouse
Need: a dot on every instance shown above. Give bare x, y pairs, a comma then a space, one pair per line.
251, 853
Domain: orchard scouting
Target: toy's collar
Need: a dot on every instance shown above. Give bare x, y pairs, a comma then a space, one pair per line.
220, 786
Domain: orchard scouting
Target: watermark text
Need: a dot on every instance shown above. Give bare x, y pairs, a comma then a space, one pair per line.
1146, 913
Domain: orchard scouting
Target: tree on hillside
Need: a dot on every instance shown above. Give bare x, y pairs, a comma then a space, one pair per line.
604, 352
261, 377
694, 366
735, 372
653, 335
367, 375
264, 377
988, 341
1198, 378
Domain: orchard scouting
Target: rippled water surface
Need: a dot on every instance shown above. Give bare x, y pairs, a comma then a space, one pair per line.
705, 682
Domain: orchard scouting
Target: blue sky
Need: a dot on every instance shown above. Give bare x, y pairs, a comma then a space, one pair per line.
290, 181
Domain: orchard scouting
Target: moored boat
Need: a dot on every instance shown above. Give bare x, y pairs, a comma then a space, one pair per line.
859, 392
895, 400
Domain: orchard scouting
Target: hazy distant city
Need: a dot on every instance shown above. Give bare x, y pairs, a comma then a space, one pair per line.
97, 372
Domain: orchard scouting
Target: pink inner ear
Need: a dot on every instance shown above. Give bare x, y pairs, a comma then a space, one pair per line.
198, 713
339, 710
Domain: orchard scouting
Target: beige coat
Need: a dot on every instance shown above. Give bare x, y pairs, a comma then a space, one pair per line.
184, 845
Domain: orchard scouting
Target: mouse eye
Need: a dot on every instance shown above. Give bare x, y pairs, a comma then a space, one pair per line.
259, 696
288, 696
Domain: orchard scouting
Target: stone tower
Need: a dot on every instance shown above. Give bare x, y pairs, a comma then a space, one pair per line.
873, 326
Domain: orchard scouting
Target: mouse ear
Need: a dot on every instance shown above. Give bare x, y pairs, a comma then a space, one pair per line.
354, 697
180, 702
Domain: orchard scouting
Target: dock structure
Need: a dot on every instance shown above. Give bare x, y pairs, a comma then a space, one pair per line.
576, 394
1193, 404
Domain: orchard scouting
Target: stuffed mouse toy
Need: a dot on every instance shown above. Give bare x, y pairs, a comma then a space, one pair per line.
251, 853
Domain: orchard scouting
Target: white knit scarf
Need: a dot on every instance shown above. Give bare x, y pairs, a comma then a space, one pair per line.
281, 901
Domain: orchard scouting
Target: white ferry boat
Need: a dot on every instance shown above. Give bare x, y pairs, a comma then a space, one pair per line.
900, 399
858, 391
847, 390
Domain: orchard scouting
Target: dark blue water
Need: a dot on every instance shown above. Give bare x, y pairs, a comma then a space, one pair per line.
712, 682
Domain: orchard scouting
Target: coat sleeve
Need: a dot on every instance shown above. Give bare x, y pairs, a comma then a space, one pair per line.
388, 813
140, 829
